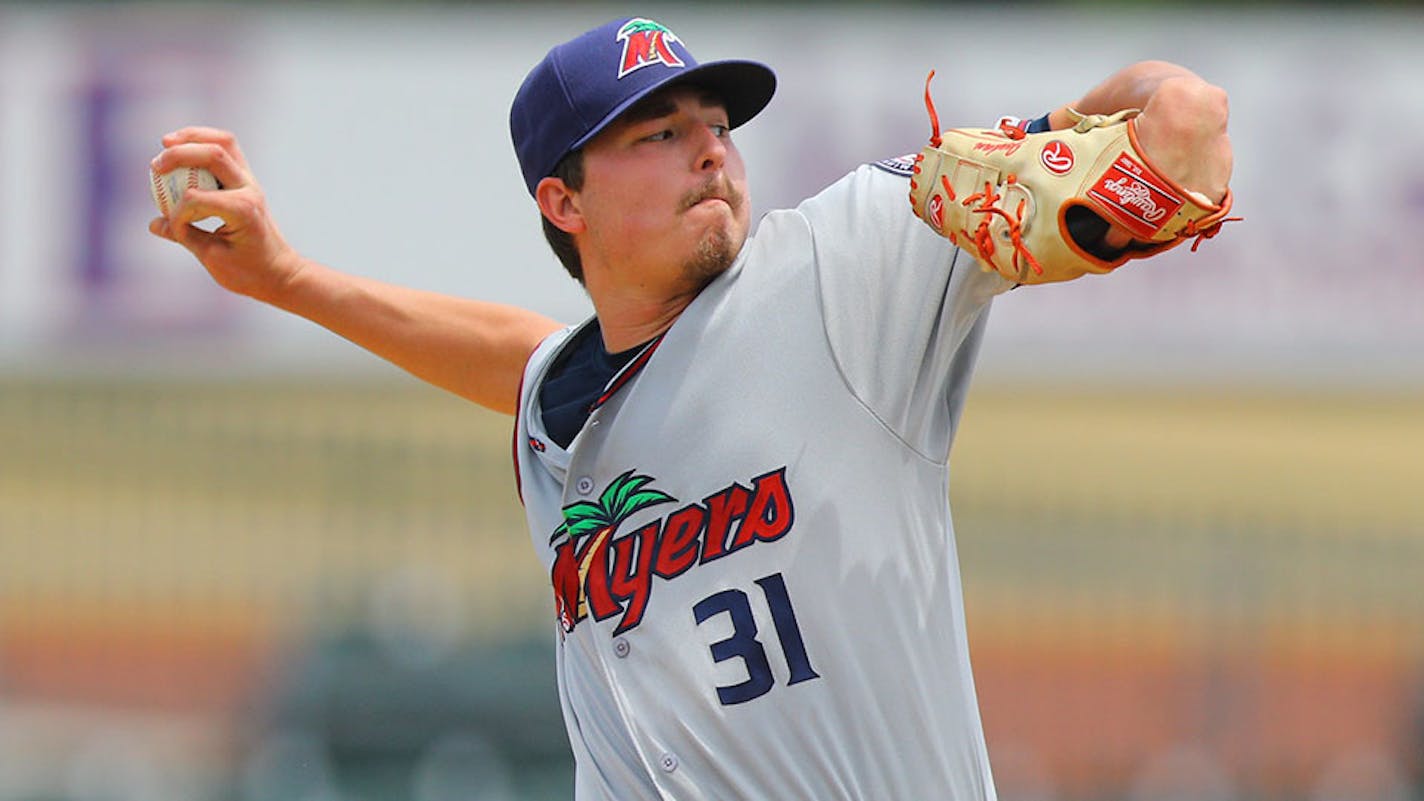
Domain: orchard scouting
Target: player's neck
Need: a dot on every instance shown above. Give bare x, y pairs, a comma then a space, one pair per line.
629, 319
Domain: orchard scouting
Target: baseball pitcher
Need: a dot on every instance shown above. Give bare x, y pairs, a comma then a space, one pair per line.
735, 473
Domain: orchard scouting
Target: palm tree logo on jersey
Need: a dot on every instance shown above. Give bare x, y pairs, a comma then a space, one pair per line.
645, 43
593, 523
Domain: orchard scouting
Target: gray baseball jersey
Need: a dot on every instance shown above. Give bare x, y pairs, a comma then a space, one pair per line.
749, 541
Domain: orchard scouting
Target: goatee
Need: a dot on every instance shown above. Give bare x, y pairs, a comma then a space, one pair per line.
716, 252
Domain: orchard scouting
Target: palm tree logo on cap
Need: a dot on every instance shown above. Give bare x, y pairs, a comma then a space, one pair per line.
646, 43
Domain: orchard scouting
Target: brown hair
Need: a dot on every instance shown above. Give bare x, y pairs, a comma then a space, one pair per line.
570, 171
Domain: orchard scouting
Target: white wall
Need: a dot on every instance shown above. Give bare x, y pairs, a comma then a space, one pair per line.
381, 139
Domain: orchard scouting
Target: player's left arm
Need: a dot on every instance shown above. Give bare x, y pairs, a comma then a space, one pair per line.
1182, 127
1138, 165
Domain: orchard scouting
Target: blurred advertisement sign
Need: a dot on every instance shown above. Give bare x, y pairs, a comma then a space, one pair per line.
133, 81
86, 94
381, 138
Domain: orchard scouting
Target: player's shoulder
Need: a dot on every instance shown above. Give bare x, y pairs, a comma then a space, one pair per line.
869, 185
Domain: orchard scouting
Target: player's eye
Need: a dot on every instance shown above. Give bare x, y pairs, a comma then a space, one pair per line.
660, 136
720, 130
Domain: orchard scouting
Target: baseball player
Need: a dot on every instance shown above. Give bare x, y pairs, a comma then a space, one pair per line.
735, 473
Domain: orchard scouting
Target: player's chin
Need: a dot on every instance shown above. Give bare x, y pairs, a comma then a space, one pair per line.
715, 252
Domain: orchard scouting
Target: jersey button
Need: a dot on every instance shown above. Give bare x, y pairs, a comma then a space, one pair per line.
584, 485
668, 762
621, 648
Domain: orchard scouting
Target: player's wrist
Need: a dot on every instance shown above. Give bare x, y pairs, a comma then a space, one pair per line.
286, 271
1061, 118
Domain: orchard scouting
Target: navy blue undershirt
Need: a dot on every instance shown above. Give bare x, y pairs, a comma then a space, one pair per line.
585, 368
575, 382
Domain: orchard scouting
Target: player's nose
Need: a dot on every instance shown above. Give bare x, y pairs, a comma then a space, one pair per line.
712, 150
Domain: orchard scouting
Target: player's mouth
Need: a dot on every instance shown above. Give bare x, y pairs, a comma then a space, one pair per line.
712, 205
714, 191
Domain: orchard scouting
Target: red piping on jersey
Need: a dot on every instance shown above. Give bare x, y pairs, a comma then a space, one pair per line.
628, 372
518, 435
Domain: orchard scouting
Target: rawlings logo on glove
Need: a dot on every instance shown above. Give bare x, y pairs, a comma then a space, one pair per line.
1011, 198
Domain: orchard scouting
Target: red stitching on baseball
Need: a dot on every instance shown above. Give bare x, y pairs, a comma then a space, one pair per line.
160, 194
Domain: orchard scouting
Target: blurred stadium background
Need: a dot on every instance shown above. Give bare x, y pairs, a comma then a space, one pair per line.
240, 560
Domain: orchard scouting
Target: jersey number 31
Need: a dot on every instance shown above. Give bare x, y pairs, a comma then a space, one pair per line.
744, 645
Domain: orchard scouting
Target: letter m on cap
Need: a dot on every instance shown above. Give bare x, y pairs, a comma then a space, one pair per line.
646, 42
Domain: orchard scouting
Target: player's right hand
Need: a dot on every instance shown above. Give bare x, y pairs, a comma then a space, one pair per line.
247, 255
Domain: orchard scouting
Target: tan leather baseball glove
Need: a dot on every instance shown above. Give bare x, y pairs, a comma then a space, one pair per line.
1016, 201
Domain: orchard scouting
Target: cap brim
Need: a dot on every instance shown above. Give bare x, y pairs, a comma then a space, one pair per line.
744, 86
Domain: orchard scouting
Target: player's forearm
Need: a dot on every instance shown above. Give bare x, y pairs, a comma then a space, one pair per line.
1132, 86
472, 348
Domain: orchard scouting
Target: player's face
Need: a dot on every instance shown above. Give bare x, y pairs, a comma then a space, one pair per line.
665, 192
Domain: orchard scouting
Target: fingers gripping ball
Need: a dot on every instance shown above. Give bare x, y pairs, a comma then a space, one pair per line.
169, 187
1011, 199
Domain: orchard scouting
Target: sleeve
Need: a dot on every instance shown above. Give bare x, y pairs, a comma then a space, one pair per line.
1038, 125
1035, 125
903, 308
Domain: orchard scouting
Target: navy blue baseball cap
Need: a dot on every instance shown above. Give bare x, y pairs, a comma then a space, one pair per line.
583, 85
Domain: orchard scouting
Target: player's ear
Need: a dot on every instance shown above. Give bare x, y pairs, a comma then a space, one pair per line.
560, 205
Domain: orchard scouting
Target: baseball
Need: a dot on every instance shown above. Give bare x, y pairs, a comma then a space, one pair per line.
168, 188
